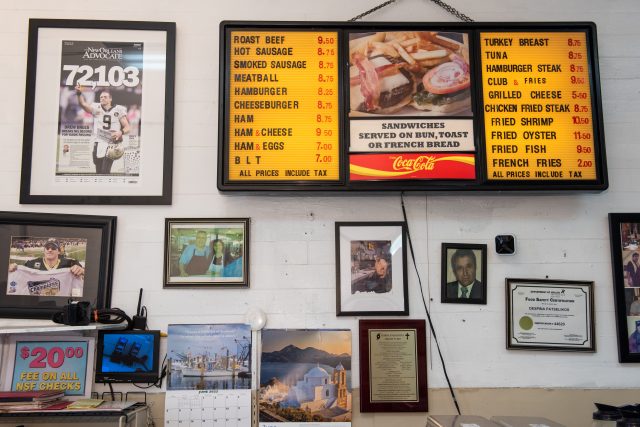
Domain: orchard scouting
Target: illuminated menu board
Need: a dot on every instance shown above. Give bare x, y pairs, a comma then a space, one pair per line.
283, 106
537, 106
410, 106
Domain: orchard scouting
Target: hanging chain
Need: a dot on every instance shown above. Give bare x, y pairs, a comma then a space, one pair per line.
452, 10
380, 6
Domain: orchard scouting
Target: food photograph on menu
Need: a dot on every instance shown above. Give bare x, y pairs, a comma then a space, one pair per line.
46, 266
409, 73
100, 111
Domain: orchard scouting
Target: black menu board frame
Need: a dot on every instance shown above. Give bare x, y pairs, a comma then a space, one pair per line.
479, 181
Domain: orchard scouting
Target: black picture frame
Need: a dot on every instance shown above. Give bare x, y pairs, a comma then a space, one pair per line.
625, 241
550, 315
97, 233
181, 239
371, 269
449, 292
138, 67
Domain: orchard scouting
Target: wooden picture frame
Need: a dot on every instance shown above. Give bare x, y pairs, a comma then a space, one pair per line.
98, 121
44, 281
470, 270
206, 252
371, 269
387, 348
624, 230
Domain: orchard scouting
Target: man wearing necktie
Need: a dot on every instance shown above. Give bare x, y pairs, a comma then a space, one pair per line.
463, 264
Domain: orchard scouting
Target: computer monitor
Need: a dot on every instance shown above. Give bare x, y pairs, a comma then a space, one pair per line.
128, 356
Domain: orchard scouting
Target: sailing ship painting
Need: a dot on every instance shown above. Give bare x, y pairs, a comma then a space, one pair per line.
209, 357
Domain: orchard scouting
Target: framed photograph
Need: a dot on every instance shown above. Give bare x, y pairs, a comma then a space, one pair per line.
545, 314
464, 273
393, 366
206, 252
98, 123
624, 229
42, 362
51, 258
371, 269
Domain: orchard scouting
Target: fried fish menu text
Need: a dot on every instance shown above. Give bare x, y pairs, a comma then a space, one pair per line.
538, 110
283, 116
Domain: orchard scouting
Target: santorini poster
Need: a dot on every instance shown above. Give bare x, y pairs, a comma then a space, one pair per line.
305, 377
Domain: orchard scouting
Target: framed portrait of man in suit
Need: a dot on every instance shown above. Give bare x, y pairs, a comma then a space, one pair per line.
464, 273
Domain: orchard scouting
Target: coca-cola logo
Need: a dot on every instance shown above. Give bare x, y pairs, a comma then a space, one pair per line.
426, 163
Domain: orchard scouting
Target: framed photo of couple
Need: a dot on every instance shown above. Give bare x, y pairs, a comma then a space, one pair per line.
98, 123
206, 252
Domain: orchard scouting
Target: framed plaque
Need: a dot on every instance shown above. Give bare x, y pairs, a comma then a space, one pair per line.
393, 366
550, 315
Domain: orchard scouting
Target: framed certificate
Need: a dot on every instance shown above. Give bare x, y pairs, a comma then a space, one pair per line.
550, 315
393, 366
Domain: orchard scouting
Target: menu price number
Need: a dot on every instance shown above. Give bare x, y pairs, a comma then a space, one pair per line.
323, 158
574, 42
576, 68
53, 358
578, 95
574, 55
325, 65
326, 40
326, 51
323, 118
584, 149
325, 91
325, 78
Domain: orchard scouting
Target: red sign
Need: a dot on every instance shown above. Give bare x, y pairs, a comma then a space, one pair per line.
374, 167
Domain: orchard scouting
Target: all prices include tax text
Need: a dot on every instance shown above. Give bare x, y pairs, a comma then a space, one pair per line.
537, 106
283, 106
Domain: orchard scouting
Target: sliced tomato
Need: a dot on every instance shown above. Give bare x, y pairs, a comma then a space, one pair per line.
446, 78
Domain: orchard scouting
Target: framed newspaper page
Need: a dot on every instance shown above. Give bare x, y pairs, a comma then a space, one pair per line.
98, 124
48, 259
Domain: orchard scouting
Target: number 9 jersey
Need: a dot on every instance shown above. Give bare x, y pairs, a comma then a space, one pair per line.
106, 121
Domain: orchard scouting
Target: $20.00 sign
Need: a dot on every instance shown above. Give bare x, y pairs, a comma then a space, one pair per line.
50, 363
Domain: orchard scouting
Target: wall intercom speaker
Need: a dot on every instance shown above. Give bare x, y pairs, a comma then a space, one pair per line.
505, 244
